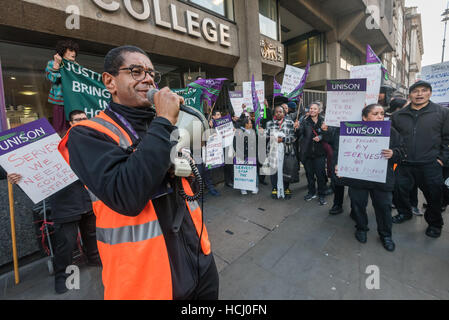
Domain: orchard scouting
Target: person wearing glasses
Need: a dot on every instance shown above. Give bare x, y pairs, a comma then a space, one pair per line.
71, 209
153, 242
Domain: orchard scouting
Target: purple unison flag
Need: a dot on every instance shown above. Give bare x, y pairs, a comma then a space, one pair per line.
3, 122
256, 103
276, 89
210, 87
371, 57
298, 91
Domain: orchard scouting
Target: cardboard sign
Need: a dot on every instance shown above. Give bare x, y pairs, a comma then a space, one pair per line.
32, 151
245, 177
361, 144
213, 152
247, 97
237, 100
373, 75
225, 128
345, 100
292, 77
438, 76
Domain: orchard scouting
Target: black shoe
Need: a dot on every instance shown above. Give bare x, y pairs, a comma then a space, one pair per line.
60, 286
400, 218
336, 209
309, 197
388, 243
433, 232
361, 236
288, 194
322, 201
274, 193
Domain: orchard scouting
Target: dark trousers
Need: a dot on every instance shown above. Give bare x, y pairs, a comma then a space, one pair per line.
274, 182
65, 237
445, 188
207, 288
316, 167
339, 193
381, 201
429, 178
205, 175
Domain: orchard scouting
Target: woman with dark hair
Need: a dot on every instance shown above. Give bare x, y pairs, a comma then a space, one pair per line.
381, 193
65, 49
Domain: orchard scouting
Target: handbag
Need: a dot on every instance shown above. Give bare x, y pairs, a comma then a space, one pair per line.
291, 168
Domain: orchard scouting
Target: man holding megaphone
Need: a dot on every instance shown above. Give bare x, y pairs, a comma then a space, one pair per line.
152, 240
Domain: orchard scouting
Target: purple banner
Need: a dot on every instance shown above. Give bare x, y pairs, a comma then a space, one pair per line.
3, 122
222, 121
21, 136
346, 85
365, 128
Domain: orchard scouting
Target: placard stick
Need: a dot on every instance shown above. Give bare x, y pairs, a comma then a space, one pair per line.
13, 233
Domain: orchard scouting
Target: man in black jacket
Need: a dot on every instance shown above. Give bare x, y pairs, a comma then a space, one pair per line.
424, 125
126, 181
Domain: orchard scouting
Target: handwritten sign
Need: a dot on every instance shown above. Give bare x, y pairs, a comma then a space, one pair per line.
237, 100
373, 75
247, 97
245, 177
438, 76
360, 150
225, 128
292, 77
345, 100
32, 151
213, 152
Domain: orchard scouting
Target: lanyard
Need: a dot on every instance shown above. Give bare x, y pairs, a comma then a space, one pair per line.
125, 123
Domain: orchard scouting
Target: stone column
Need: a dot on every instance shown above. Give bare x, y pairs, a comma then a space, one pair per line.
247, 19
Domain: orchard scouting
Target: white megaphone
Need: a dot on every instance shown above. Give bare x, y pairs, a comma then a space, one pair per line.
192, 125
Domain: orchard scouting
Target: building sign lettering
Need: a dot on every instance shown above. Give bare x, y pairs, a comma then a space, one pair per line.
206, 28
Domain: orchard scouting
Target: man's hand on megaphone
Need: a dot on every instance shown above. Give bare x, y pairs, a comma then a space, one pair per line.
167, 104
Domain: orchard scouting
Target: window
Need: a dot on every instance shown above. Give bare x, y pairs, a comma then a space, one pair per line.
222, 7
25, 85
348, 59
268, 18
309, 47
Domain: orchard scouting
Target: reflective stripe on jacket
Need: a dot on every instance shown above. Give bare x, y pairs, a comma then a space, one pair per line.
133, 251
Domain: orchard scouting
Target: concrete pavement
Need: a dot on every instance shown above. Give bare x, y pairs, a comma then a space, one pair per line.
289, 249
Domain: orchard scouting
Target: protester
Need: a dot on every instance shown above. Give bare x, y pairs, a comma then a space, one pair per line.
380, 193
248, 136
65, 49
313, 153
152, 241
71, 208
280, 131
424, 125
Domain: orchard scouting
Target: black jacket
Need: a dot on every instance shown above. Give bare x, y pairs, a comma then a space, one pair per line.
308, 147
126, 182
70, 203
398, 147
425, 133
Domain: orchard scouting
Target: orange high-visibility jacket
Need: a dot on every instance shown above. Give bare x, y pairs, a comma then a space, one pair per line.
132, 249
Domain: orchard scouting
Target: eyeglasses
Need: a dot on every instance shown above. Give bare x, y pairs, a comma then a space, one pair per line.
79, 119
139, 73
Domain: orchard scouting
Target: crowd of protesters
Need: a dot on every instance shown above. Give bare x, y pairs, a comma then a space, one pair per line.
418, 159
